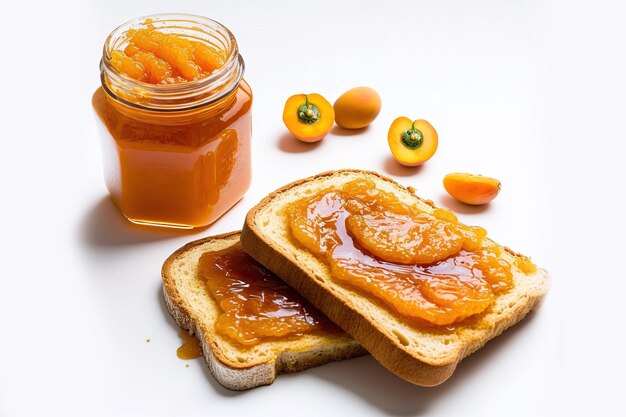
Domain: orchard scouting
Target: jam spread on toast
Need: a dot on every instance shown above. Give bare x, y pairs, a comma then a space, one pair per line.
255, 304
424, 265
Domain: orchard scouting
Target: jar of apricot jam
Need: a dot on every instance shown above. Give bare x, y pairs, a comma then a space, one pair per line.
174, 113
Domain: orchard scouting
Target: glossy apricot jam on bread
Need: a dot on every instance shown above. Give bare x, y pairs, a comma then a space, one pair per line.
255, 305
425, 266
156, 57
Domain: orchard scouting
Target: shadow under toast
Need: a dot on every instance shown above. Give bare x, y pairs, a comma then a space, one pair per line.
371, 382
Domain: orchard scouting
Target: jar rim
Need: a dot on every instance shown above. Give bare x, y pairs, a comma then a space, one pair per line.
180, 96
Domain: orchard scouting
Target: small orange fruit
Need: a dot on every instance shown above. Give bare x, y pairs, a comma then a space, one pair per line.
357, 108
471, 189
308, 117
412, 143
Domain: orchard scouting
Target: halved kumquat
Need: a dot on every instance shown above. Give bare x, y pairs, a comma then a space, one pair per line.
412, 142
308, 117
471, 189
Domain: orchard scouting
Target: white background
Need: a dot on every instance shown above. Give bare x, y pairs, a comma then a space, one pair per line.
531, 92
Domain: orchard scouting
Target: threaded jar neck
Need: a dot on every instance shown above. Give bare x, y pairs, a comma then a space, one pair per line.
174, 97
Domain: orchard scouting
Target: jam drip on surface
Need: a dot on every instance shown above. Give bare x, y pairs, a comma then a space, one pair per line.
190, 348
255, 304
425, 266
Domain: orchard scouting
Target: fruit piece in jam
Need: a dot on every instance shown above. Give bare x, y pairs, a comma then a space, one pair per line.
426, 266
156, 57
255, 304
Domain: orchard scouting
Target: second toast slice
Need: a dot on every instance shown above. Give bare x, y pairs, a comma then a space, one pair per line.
235, 366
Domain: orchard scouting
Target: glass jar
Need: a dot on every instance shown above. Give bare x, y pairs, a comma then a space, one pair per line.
176, 155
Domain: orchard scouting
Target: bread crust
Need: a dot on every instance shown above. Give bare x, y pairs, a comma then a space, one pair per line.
232, 374
409, 364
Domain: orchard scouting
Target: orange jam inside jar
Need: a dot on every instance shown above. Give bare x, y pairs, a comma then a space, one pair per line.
175, 118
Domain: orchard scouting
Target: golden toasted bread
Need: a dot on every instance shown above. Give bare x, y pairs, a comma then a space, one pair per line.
420, 354
234, 366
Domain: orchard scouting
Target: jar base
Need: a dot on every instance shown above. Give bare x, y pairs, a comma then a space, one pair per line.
161, 224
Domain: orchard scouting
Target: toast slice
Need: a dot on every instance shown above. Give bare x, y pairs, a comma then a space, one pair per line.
421, 355
234, 366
